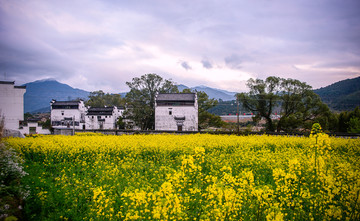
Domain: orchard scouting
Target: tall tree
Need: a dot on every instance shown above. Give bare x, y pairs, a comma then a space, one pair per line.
101, 99
141, 98
298, 105
262, 98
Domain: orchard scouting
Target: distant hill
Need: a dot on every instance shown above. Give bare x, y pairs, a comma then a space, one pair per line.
342, 95
211, 92
39, 94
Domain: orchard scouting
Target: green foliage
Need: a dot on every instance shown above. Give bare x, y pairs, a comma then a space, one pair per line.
262, 98
344, 118
12, 192
354, 125
46, 124
141, 98
101, 99
27, 116
207, 120
120, 123
299, 106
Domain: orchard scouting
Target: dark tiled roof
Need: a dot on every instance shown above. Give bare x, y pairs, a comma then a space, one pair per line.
12, 82
7, 82
20, 87
176, 97
100, 111
62, 103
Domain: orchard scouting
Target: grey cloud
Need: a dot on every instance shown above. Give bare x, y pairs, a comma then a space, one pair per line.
185, 65
206, 64
61, 39
233, 61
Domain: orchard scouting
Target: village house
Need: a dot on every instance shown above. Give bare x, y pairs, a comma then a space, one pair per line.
103, 118
11, 104
176, 112
68, 114
31, 126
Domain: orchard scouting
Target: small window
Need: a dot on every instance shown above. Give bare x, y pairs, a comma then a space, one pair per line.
170, 112
62, 114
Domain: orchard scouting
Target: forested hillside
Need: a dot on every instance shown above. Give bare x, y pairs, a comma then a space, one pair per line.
342, 95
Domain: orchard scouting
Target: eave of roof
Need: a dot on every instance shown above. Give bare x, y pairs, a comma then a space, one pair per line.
7, 82
65, 103
176, 97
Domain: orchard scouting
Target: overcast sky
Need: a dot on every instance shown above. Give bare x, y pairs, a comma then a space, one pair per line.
96, 45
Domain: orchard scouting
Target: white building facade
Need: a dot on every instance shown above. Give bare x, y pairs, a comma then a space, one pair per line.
12, 104
68, 114
33, 127
103, 118
176, 112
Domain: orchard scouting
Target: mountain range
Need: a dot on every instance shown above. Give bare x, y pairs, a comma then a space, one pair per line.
342, 95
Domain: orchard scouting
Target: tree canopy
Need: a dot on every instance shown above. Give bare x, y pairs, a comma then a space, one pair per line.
101, 99
297, 105
141, 98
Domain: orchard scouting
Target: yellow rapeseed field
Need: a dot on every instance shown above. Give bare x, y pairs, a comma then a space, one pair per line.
191, 177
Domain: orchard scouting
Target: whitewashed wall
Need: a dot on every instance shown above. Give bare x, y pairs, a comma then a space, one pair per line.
12, 105
61, 114
92, 122
38, 129
165, 121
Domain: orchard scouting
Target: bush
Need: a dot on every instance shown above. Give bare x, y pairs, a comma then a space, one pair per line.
12, 193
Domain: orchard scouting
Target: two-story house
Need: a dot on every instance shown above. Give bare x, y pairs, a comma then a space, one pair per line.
68, 114
176, 112
102, 117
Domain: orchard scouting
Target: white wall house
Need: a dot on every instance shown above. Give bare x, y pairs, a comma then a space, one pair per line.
12, 104
103, 118
176, 112
32, 127
63, 113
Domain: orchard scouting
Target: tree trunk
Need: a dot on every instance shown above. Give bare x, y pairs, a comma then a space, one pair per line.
269, 124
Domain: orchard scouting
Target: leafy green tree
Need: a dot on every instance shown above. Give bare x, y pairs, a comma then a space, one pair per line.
354, 125
206, 119
120, 123
27, 115
101, 99
141, 98
262, 98
344, 119
298, 105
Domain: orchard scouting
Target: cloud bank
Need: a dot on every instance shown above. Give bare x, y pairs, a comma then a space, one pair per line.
102, 44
